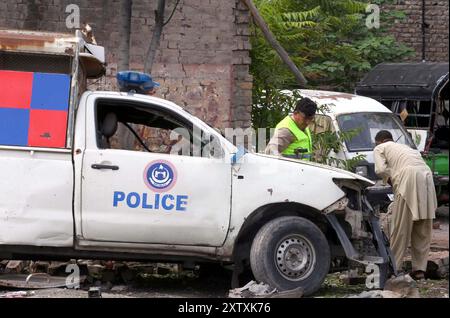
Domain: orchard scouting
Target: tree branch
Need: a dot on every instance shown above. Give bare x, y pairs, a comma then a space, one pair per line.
154, 44
124, 33
173, 12
274, 43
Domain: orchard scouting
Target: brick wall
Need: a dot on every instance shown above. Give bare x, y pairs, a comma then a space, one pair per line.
409, 31
203, 60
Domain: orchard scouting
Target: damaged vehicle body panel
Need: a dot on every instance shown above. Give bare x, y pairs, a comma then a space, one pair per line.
364, 241
83, 195
39, 212
264, 190
339, 208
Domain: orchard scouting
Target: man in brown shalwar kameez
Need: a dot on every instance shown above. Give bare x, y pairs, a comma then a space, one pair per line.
415, 200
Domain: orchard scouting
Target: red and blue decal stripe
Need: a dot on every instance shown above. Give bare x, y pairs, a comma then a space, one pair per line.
33, 109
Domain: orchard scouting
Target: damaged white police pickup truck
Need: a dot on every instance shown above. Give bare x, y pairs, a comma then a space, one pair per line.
67, 191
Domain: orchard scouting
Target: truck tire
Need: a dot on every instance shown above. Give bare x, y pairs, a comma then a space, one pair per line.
290, 252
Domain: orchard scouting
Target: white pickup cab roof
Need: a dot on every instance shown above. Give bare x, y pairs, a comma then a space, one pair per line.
342, 103
155, 101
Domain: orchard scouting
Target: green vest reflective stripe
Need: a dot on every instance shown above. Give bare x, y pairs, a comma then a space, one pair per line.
303, 139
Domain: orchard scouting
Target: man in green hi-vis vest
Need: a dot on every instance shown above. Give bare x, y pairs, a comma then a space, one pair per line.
292, 136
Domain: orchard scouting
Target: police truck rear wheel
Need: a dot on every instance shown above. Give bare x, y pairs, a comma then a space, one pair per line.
290, 252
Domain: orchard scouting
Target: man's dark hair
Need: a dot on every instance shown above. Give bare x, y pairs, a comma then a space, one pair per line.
306, 106
383, 135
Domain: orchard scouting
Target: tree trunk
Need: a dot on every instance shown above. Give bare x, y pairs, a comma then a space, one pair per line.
274, 43
157, 31
123, 60
125, 138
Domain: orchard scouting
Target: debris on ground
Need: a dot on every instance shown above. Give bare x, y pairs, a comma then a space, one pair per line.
437, 266
18, 294
293, 293
34, 281
436, 225
120, 279
377, 294
403, 285
352, 277
95, 292
119, 289
442, 212
261, 290
433, 288
252, 289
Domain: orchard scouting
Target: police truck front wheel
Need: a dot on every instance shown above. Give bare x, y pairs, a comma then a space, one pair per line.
290, 252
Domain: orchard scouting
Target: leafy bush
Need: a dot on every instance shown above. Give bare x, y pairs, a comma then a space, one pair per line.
330, 43
274, 105
327, 39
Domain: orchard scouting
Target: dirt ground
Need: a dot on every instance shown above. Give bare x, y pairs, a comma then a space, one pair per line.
191, 285
218, 287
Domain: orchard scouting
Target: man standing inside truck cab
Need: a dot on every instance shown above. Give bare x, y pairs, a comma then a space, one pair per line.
415, 201
292, 136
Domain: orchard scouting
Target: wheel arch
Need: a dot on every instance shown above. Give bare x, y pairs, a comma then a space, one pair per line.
258, 218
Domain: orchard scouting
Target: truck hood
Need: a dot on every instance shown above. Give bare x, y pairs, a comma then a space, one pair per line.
340, 172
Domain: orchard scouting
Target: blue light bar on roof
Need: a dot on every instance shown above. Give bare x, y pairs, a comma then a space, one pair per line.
140, 83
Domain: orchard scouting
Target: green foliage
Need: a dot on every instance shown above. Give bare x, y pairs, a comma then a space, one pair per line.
301, 19
330, 43
273, 105
328, 142
327, 39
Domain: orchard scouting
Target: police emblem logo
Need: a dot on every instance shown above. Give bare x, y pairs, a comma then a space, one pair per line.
160, 176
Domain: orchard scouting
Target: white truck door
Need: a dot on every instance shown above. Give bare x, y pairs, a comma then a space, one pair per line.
150, 197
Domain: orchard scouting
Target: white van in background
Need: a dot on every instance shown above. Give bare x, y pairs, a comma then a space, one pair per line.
342, 112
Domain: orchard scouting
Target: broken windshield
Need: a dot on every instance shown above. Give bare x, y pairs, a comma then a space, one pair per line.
367, 125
